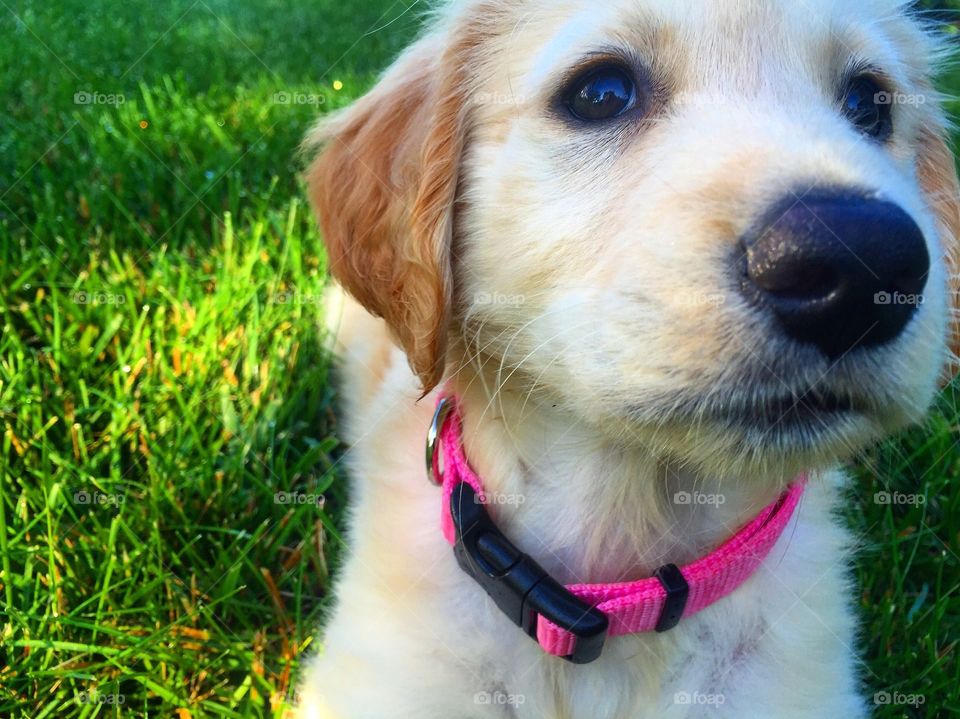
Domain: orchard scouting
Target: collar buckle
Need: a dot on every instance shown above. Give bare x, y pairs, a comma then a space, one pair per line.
519, 586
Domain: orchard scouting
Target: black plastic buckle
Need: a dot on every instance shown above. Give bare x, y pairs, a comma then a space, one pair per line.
519, 586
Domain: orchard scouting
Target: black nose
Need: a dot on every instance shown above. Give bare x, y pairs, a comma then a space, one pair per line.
839, 270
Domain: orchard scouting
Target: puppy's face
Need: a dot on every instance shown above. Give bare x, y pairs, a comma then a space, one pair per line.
720, 229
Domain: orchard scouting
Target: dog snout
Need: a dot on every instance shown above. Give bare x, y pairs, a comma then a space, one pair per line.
839, 270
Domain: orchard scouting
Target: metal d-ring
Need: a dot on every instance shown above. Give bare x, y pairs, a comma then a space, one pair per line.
444, 406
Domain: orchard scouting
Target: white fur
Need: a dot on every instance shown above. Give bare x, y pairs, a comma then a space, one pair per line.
605, 245
412, 636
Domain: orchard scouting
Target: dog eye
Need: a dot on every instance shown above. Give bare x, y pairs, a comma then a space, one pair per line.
601, 94
868, 106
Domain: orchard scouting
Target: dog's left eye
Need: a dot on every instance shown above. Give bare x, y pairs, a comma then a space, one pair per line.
868, 106
601, 94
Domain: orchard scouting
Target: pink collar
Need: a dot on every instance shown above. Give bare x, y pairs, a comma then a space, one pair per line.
573, 621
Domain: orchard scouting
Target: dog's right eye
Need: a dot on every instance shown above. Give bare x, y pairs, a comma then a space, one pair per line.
868, 106
601, 94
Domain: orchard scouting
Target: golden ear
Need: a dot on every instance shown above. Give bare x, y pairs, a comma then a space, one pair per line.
384, 187
937, 171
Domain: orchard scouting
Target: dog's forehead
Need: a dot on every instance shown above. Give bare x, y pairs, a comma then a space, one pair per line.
706, 16
706, 43
719, 34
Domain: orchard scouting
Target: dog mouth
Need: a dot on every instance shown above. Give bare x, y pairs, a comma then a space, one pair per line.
807, 406
811, 411
772, 417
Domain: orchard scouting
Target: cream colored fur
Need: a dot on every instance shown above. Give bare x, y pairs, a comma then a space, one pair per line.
580, 295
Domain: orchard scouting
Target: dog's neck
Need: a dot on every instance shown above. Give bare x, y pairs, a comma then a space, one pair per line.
587, 508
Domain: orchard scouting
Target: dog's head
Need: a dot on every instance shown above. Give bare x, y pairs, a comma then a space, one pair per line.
726, 228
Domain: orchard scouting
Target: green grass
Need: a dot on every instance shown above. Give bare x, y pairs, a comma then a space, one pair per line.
161, 351
162, 374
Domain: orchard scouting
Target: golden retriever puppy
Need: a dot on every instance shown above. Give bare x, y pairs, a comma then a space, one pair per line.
670, 261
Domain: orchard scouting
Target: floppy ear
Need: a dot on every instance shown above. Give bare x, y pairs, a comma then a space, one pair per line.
384, 187
937, 171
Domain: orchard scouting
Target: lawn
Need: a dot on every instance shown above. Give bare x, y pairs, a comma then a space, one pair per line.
170, 493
